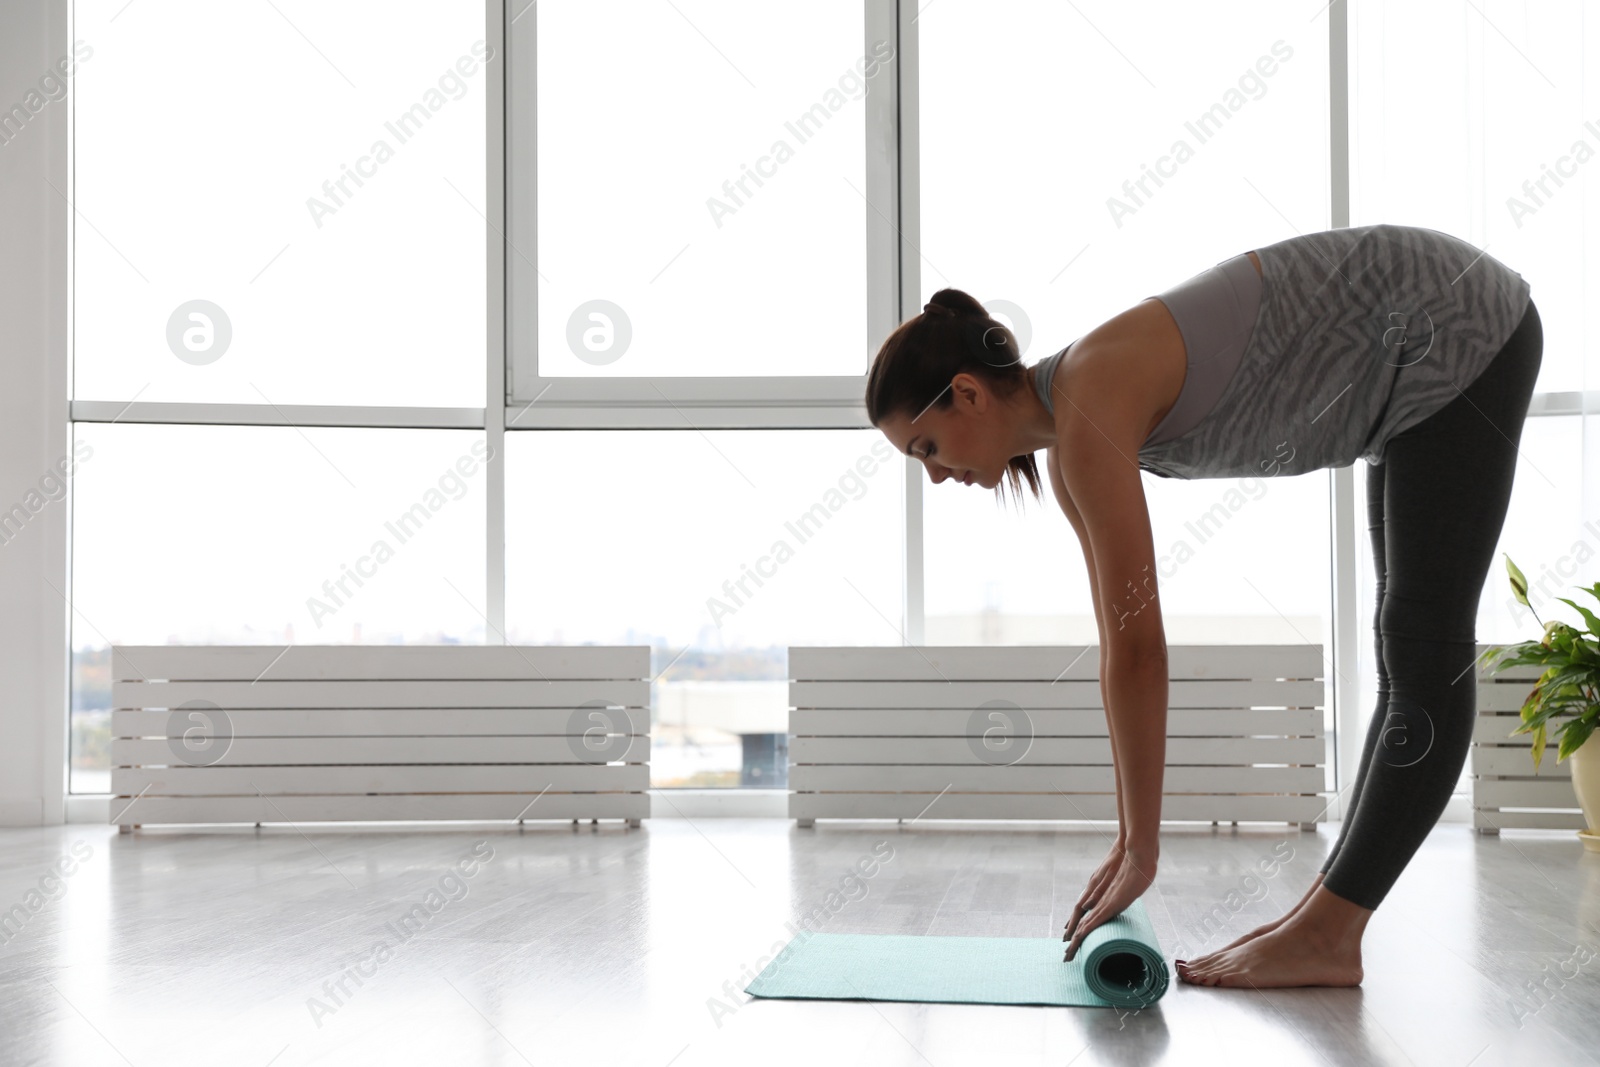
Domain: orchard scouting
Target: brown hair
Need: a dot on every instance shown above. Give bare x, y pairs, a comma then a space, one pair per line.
913, 368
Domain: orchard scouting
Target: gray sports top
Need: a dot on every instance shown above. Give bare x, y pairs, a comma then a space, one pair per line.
1346, 339
1215, 311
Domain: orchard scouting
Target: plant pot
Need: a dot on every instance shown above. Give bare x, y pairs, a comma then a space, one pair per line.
1585, 764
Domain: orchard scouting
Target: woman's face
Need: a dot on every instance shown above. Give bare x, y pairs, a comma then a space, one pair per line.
966, 441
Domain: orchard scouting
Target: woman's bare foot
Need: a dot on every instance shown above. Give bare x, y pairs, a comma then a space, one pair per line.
1264, 928
1287, 956
1318, 945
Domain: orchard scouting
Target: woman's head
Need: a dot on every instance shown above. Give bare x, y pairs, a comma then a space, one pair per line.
943, 388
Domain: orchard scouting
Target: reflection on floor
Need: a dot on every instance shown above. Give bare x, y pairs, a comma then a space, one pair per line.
596, 945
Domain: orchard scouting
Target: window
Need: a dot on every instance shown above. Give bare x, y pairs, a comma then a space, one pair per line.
708, 239
1035, 197
1240, 561
718, 550
280, 203
282, 340
1500, 93
1219, 135
264, 535
701, 190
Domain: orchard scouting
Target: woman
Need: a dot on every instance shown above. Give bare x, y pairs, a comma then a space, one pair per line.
1399, 345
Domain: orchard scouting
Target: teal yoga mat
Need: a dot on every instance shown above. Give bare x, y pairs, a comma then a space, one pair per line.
1119, 964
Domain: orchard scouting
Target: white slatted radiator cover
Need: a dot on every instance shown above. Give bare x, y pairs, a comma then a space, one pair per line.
320, 733
1504, 785
1019, 732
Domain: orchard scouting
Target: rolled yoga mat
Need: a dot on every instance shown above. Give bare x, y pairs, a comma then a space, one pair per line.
1118, 965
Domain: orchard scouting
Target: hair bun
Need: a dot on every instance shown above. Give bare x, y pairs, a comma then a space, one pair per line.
931, 308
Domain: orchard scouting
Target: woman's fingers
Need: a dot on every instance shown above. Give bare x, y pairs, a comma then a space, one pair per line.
1092, 920
1072, 949
1098, 882
1077, 917
1127, 886
1085, 902
1107, 907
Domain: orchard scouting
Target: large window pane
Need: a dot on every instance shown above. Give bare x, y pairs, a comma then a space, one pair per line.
260, 535
1036, 194
719, 550
1239, 561
312, 173
1502, 92
1218, 144
701, 188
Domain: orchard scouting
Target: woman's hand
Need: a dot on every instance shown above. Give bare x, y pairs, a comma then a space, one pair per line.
1122, 879
1097, 881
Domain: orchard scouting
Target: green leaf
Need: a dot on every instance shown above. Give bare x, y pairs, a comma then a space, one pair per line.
1539, 716
1571, 674
1588, 616
1538, 747
1573, 734
1576, 711
1530, 708
1523, 654
1519, 584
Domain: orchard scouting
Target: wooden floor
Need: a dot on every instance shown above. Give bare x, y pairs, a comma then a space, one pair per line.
600, 945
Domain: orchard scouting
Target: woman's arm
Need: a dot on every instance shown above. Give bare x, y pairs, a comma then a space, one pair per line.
1076, 519
1097, 443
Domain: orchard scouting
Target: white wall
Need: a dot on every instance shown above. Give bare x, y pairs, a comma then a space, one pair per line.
34, 433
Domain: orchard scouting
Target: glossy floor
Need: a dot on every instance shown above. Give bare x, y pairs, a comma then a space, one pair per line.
600, 945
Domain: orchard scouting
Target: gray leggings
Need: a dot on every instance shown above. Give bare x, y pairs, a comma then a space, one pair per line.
1435, 506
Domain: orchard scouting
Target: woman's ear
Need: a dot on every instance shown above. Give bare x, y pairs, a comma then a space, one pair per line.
968, 391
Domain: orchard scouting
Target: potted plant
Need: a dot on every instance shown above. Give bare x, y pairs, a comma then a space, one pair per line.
1568, 688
